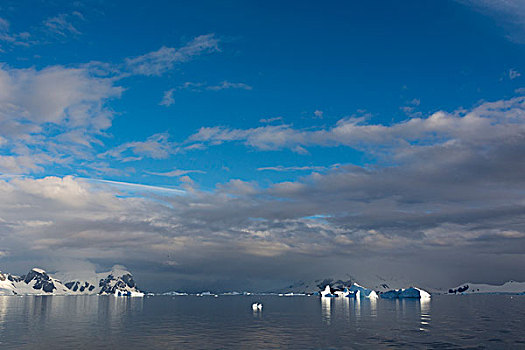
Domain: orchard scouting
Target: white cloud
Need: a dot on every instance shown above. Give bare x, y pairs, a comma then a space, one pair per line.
513, 74
63, 190
167, 99
49, 114
164, 59
9, 38
156, 146
62, 24
57, 95
318, 114
511, 13
200, 87
239, 187
22, 164
176, 172
281, 168
59, 27
271, 120
4, 24
191, 86
415, 102
410, 108
229, 85
486, 122
269, 137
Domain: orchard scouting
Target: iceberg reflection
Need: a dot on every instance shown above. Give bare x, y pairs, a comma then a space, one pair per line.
326, 312
373, 307
357, 308
424, 307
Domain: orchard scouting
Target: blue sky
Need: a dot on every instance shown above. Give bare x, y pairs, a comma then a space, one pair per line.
244, 98
339, 59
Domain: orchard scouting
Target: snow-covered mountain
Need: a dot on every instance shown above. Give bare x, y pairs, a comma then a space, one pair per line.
376, 283
309, 287
118, 281
36, 281
510, 287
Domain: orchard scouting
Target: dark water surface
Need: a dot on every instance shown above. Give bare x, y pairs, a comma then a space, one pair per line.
227, 322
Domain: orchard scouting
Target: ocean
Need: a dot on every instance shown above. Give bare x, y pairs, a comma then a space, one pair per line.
228, 322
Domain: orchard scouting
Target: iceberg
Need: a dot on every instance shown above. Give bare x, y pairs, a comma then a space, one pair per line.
292, 294
232, 293
391, 294
354, 291
174, 293
207, 294
408, 293
414, 292
327, 293
340, 293
133, 294
354, 294
363, 292
347, 293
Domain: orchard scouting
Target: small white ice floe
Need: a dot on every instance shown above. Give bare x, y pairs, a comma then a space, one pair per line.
257, 307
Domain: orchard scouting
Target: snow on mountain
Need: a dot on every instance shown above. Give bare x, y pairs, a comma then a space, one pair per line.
35, 282
7, 284
375, 283
118, 282
510, 287
315, 286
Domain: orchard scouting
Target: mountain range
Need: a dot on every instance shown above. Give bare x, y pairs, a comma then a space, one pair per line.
37, 281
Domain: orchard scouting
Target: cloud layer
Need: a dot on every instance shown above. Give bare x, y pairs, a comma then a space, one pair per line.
445, 202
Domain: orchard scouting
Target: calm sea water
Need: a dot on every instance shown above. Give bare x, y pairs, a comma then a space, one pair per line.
227, 322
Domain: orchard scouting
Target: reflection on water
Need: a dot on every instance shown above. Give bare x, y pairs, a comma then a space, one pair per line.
229, 322
343, 308
373, 307
326, 306
349, 309
424, 305
339, 308
3, 312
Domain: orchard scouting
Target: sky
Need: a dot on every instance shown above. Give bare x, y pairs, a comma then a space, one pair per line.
248, 144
